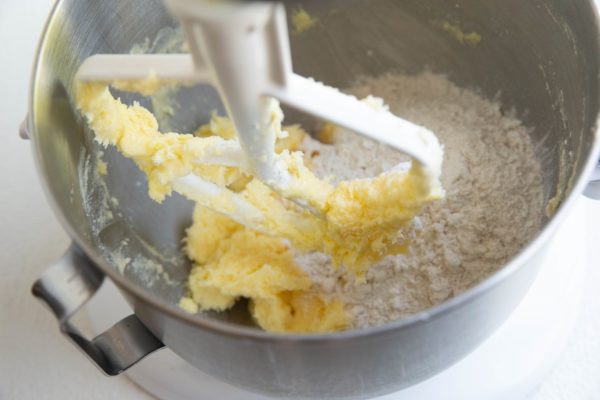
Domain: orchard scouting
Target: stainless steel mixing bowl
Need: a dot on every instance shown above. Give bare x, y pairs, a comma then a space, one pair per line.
538, 57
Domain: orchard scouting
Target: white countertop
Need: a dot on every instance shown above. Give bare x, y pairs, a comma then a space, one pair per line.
36, 361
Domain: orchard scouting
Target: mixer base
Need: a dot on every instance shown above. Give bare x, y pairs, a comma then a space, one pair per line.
508, 365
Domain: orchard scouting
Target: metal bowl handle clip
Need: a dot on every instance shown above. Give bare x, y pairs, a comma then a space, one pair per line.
65, 288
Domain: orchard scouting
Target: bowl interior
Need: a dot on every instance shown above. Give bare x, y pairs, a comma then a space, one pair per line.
538, 58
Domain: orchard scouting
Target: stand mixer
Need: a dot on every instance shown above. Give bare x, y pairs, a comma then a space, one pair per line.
544, 63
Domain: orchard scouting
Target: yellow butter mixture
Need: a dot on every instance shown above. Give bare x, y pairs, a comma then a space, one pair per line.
250, 254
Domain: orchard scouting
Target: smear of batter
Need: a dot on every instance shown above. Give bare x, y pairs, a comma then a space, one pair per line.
471, 39
302, 21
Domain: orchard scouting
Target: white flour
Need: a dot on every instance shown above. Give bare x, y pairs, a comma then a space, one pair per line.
493, 204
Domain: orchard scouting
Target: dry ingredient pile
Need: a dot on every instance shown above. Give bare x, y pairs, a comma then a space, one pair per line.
493, 204
492, 207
